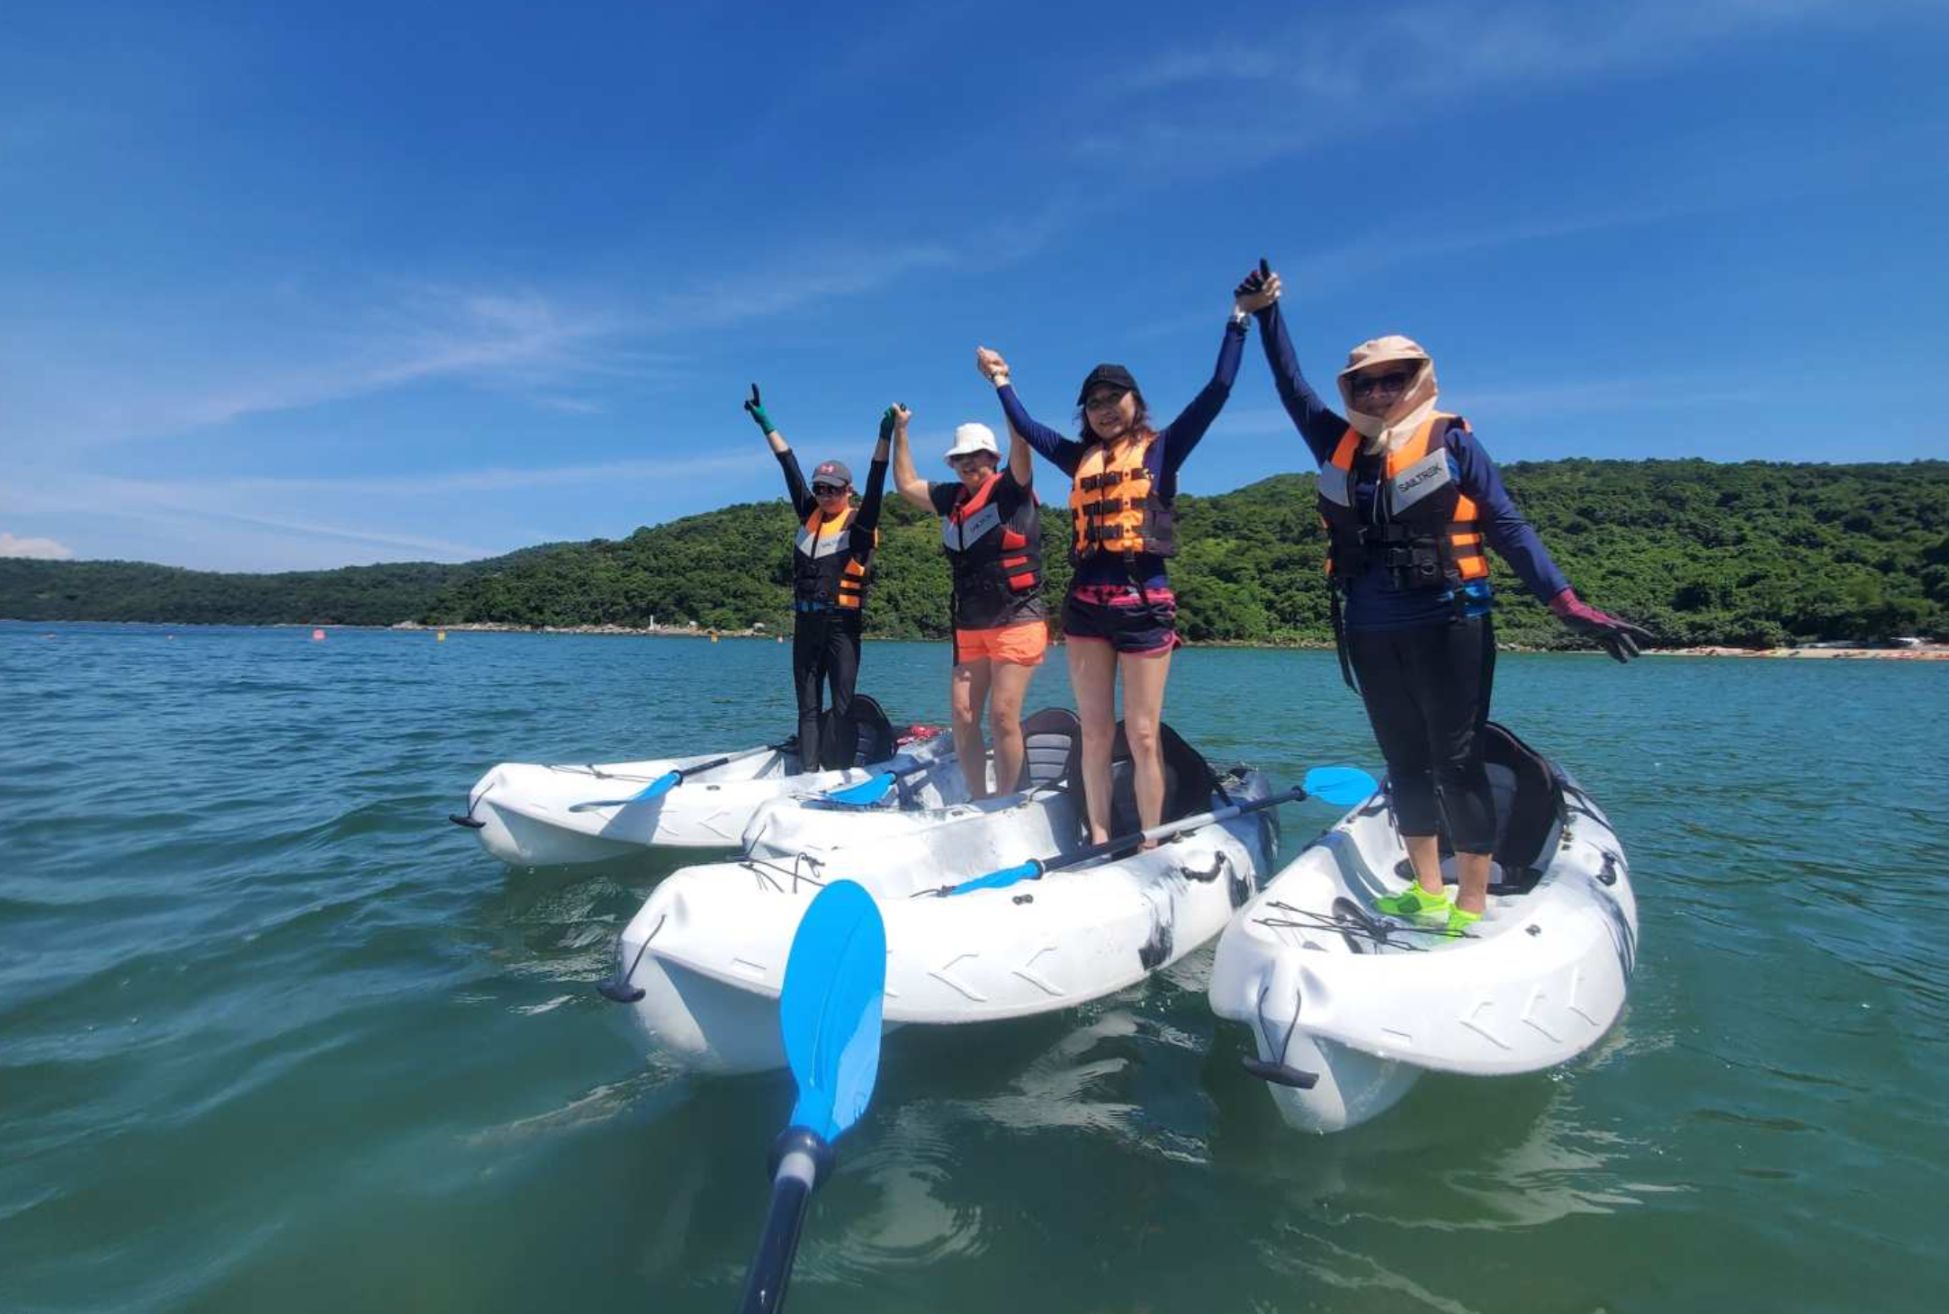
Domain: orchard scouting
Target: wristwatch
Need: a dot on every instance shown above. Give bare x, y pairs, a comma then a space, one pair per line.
1239, 317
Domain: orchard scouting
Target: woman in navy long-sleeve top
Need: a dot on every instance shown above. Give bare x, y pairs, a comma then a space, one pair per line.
1120, 616
1410, 500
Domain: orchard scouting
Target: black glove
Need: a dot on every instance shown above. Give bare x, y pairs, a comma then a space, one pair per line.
1254, 282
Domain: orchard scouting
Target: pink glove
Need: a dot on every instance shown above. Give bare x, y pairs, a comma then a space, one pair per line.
1620, 638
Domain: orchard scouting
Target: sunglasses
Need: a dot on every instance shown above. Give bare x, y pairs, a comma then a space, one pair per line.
828, 490
1392, 381
1104, 401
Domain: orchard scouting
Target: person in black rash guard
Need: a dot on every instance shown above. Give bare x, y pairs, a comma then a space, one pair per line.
1120, 617
992, 535
1411, 500
831, 567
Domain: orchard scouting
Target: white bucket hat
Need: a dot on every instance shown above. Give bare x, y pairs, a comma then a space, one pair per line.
972, 438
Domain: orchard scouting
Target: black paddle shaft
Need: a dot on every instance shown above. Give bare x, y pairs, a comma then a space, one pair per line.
771, 1268
1293, 795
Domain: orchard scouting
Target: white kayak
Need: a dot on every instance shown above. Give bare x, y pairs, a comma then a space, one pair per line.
534, 815
1348, 1008
707, 951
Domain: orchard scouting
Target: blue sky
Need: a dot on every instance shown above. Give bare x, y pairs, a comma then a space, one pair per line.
309, 285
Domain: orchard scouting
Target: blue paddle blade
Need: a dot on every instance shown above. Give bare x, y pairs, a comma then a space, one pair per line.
994, 880
657, 788
1343, 785
865, 793
829, 1010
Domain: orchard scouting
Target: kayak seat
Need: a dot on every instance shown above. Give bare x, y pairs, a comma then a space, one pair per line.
1188, 780
1049, 737
1529, 809
876, 740
1529, 804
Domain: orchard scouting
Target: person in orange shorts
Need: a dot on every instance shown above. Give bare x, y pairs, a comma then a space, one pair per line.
993, 539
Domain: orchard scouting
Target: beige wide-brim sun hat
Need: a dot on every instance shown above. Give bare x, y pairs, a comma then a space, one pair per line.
972, 438
1409, 408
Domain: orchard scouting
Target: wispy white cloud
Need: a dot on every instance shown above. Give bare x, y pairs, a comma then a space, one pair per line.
180, 502
127, 374
311, 520
1330, 75
803, 278
44, 549
1612, 396
490, 479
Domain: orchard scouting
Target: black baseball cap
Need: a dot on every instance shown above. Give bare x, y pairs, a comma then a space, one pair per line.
1115, 376
833, 472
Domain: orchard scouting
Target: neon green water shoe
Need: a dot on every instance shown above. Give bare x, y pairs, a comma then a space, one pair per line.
1417, 903
1459, 921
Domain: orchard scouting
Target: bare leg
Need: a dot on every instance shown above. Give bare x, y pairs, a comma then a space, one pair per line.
1143, 708
1473, 868
1424, 851
966, 692
1009, 686
1093, 678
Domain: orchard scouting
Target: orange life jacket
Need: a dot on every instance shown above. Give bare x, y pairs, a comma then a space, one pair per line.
1116, 505
1423, 529
830, 563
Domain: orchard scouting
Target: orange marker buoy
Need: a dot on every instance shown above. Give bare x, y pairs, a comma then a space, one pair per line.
318, 636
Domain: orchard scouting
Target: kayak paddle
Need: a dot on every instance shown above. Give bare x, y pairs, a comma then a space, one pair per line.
1343, 786
829, 1017
669, 780
871, 790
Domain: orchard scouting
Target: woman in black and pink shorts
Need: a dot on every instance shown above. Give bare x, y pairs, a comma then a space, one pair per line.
1120, 616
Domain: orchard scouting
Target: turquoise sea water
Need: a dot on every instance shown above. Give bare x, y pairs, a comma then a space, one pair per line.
273, 1035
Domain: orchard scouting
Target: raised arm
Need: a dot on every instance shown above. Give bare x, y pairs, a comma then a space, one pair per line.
1021, 459
1184, 433
905, 478
1062, 452
1318, 423
1505, 527
796, 492
876, 475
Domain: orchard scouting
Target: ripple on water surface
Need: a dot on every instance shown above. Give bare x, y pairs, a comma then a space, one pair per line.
274, 1034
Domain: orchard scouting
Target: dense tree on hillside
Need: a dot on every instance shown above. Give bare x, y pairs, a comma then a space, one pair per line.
1751, 554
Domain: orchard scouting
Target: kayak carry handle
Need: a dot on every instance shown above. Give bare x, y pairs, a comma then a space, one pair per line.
1279, 1074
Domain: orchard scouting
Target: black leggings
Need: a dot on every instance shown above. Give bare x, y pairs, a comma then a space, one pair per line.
1427, 695
825, 648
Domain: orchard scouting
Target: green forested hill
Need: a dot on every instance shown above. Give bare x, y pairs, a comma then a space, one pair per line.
137, 591
1750, 554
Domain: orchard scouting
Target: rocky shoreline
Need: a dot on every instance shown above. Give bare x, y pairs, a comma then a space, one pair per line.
1926, 652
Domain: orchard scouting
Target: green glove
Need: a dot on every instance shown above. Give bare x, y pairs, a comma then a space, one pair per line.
887, 418
757, 410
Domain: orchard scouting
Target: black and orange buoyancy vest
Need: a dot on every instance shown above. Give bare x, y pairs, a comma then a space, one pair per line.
996, 560
1116, 505
830, 563
1424, 530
